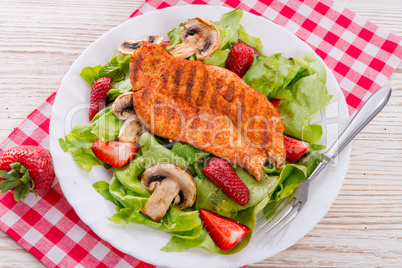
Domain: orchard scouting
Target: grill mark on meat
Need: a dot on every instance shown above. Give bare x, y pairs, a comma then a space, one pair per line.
176, 80
214, 98
136, 63
165, 79
229, 92
203, 88
155, 62
226, 108
190, 82
241, 99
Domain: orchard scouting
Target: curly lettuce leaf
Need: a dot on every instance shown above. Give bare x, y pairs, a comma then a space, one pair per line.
117, 69
78, 142
300, 83
175, 36
309, 96
271, 76
107, 126
229, 27
80, 139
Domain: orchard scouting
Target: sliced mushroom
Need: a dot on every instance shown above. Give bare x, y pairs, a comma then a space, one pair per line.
122, 106
170, 184
200, 37
130, 131
128, 47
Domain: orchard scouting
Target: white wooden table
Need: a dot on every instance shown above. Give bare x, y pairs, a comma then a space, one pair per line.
40, 39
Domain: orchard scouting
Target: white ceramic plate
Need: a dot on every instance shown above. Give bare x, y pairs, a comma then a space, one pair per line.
71, 108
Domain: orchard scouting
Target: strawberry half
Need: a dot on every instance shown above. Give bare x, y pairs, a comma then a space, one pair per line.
115, 153
295, 149
165, 44
99, 91
275, 102
223, 174
240, 58
26, 168
225, 232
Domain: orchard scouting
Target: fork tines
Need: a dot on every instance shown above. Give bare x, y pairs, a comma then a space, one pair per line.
281, 214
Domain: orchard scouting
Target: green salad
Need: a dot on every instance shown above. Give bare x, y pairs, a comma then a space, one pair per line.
300, 84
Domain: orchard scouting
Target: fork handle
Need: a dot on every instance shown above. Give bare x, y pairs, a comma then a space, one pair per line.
369, 110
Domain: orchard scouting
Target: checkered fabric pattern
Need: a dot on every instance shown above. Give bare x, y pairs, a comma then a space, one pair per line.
361, 55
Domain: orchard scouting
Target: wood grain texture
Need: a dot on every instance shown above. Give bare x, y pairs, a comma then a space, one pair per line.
39, 40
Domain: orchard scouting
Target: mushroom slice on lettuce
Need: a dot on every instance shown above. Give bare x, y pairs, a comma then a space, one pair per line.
170, 185
123, 109
200, 37
130, 131
128, 47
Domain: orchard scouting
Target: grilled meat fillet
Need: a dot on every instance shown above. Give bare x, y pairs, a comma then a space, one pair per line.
206, 106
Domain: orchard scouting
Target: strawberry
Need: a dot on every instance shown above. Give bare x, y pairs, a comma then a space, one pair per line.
275, 102
240, 58
223, 174
165, 44
225, 232
99, 91
115, 153
26, 168
295, 149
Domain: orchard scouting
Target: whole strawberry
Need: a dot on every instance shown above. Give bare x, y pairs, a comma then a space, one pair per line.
99, 91
26, 168
240, 58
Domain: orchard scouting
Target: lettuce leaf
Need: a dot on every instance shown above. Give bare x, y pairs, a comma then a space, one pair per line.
300, 83
107, 126
252, 41
117, 69
309, 96
78, 142
90, 74
271, 76
229, 27
218, 58
188, 152
154, 153
128, 176
175, 36
211, 197
122, 86
80, 139
246, 217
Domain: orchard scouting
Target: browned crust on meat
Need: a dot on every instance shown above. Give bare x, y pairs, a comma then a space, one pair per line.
206, 106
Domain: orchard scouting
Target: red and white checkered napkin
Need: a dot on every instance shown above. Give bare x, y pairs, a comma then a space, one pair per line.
361, 55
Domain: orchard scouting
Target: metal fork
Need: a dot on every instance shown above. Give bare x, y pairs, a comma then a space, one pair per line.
284, 212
